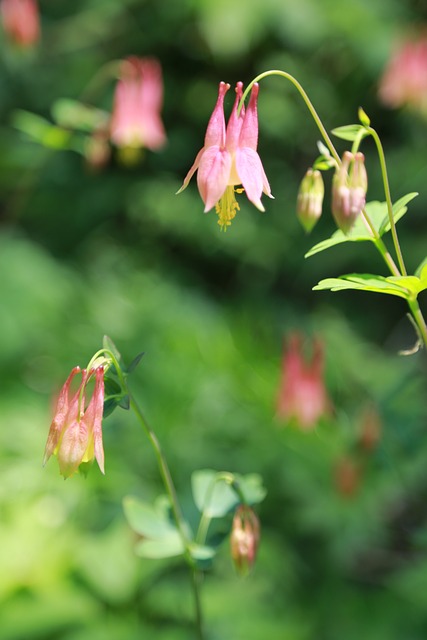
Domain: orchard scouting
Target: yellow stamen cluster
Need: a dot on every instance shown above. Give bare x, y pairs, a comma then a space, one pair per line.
227, 207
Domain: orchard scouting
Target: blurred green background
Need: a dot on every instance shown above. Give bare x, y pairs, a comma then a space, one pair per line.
115, 252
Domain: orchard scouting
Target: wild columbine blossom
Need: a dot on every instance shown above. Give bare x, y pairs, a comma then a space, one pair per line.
21, 22
404, 81
138, 98
75, 435
349, 187
310, 199
302, 393
244, 538
229, 158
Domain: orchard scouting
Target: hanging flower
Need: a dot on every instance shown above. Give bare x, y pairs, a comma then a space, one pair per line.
349, 187
21, 21
302, 393
404, 81
229, 158
136, 121
244, 539
75, 435
310, 199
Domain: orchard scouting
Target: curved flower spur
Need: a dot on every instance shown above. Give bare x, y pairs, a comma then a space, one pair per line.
229, 158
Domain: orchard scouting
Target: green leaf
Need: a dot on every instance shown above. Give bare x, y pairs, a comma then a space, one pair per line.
419, 271
76, 115
213, 497
202, 552
348, 132
252, 488
399, 210
323, 163
170, 546
135, 362
365, 282
107, 343
42, 131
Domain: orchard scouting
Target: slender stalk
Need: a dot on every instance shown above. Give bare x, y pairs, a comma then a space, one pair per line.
381, 157
419, 320
309, 104
177, 514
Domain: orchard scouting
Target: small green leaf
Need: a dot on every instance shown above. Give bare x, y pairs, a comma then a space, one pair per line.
170, 546
399, 210
412, 284
107, 343
42, 131
348, 132
363, 117
135, 362
148, 520
124, 402
213, 497
252, 488
420, 270
202, 552
73, 114
364, 282
324, 163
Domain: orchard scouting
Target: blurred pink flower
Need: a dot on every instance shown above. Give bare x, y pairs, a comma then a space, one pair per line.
138, 98
20, 20
75, 434
302, 393
404, 81
229, 157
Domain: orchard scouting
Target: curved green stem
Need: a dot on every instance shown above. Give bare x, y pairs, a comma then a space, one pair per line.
309, 104
381, 157
419, 320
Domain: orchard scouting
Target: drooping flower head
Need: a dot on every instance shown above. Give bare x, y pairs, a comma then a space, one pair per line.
75, 435
244, 538
349, 186
404, 81
302, 392
21, 21
229, 158
310, 199
138, 98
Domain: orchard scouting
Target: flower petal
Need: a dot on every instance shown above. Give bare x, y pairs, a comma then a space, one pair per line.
215, 132
193, 169
249, 131
235, 121
213, 175
251, 174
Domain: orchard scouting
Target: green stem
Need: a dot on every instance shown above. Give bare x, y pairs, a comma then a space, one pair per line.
381, 157
419, 320
176, 510
309, 104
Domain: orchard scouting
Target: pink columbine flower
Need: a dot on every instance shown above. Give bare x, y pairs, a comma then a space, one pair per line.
138, 99
302, 393
404, 81
21, 22
75, 435
229, 158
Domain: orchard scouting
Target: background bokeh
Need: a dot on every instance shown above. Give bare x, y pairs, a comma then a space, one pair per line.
116, 252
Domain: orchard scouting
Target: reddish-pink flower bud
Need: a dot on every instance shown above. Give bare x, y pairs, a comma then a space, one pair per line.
244, 538
136, 120
75, 435
349, 187
21, 22
302, 392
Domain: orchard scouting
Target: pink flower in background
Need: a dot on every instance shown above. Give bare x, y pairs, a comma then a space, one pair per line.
75, 434
138, 99
21, 22
404, 81
229, 157
302, 393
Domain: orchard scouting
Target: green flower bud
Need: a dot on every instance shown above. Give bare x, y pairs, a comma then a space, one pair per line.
310, 199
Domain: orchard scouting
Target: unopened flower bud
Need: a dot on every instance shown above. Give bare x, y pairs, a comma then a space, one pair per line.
244, 539
349, 188
310, 199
